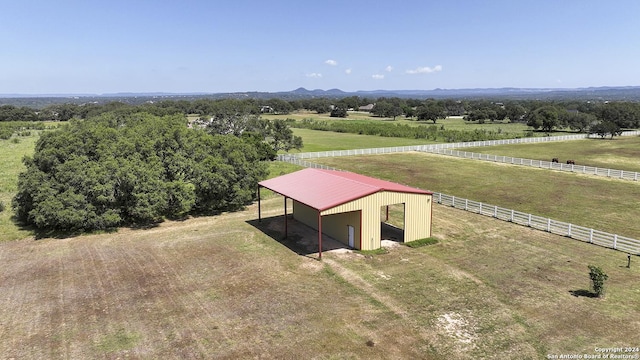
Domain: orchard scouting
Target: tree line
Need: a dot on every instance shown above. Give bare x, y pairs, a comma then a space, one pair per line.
603, 118
543, 115
136, 169
431, 132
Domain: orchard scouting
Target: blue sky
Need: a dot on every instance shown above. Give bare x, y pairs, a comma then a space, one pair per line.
65, 46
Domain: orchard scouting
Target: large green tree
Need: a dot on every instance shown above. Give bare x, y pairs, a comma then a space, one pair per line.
624, 114
138, 169
431, 110
545, 118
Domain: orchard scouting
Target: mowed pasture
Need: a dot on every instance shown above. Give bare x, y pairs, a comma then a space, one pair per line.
315, 140
226, 287
11, 155
594, 202
621, 153
605, 204
450, 123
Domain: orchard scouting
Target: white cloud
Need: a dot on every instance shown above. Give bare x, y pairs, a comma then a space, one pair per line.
314, 75
331, 62
347, 71
425, 70
377, 76
388, 68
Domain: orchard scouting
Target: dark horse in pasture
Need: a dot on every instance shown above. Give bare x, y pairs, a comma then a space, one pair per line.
571, 162
555, 160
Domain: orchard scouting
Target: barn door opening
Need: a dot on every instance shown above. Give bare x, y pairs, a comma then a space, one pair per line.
352, 235
392, 222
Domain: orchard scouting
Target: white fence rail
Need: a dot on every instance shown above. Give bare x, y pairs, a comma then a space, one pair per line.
572, 231
588, 170
432, 147
592, 236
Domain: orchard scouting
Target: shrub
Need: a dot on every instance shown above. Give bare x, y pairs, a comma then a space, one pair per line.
421, 242
378, 251
1, 206
598, 278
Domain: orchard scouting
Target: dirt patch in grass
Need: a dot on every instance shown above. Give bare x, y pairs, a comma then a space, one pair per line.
218, 287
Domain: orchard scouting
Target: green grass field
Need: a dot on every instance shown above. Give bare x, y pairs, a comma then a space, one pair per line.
450, 123
590, 201
11, 154
229, 287
621, 153
315, 140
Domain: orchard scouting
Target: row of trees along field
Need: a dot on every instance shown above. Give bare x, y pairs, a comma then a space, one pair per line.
580, 116
117, 164
132, 167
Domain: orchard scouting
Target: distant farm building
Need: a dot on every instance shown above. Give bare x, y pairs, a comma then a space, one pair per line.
366, 107
348, 207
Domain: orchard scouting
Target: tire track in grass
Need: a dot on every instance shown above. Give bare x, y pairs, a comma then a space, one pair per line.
170, 291
60, 324
110, 290
357, 281
94, 297
193, 302
12, 306
398, 342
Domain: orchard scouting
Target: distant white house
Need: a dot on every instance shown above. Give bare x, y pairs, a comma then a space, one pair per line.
366, 107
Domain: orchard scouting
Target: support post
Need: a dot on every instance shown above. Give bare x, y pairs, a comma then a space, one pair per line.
286, 230
319, 236
259, 209
387, 219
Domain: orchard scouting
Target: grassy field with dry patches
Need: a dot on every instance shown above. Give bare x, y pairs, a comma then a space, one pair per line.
11, 154
621, 153
227, 287
450, 123
591, 201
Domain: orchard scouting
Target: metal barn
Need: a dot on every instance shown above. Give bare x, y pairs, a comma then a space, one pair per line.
348, 207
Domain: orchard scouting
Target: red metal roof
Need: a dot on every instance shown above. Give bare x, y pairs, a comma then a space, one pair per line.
325, 189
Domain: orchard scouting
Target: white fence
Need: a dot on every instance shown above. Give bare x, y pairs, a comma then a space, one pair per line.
589, 170
432, 147
592, 236
572, 231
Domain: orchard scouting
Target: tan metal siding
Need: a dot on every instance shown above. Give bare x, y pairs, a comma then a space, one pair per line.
417, 222
335, 225
417, 217
305, 214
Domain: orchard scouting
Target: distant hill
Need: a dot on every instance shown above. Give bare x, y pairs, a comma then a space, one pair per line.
628, 93
605, 93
